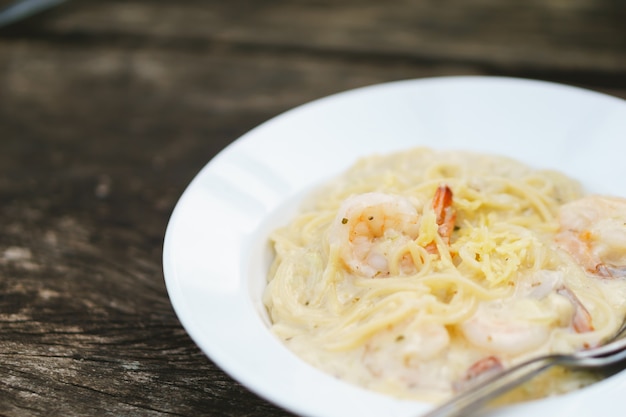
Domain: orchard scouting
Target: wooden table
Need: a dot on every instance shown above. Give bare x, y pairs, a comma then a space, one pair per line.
109, 109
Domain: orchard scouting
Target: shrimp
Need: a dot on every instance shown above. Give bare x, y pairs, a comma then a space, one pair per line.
374, 225
525, 320
408, 354
581, 319
550, 285
504, 334
593, 232
371, 228
446, 215
478, 371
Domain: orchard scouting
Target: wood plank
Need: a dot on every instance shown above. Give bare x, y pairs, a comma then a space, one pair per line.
582, 35
97, 146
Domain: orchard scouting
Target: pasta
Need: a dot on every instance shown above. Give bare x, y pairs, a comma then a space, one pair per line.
415, 273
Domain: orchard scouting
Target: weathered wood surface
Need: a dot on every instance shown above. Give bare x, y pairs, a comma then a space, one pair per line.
108, 110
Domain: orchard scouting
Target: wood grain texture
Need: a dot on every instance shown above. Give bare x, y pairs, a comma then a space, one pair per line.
108, 110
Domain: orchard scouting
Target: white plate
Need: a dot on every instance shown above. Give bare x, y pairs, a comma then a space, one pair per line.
216, 254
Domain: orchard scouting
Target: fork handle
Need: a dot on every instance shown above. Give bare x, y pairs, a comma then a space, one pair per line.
476, 396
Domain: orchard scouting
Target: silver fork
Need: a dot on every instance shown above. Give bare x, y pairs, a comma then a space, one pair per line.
479, 395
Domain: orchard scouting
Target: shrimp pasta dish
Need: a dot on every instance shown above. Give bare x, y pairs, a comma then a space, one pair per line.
416, 273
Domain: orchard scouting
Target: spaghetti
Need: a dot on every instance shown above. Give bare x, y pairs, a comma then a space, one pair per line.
417, 272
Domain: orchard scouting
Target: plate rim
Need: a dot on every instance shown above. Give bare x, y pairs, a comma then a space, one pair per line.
170, 276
